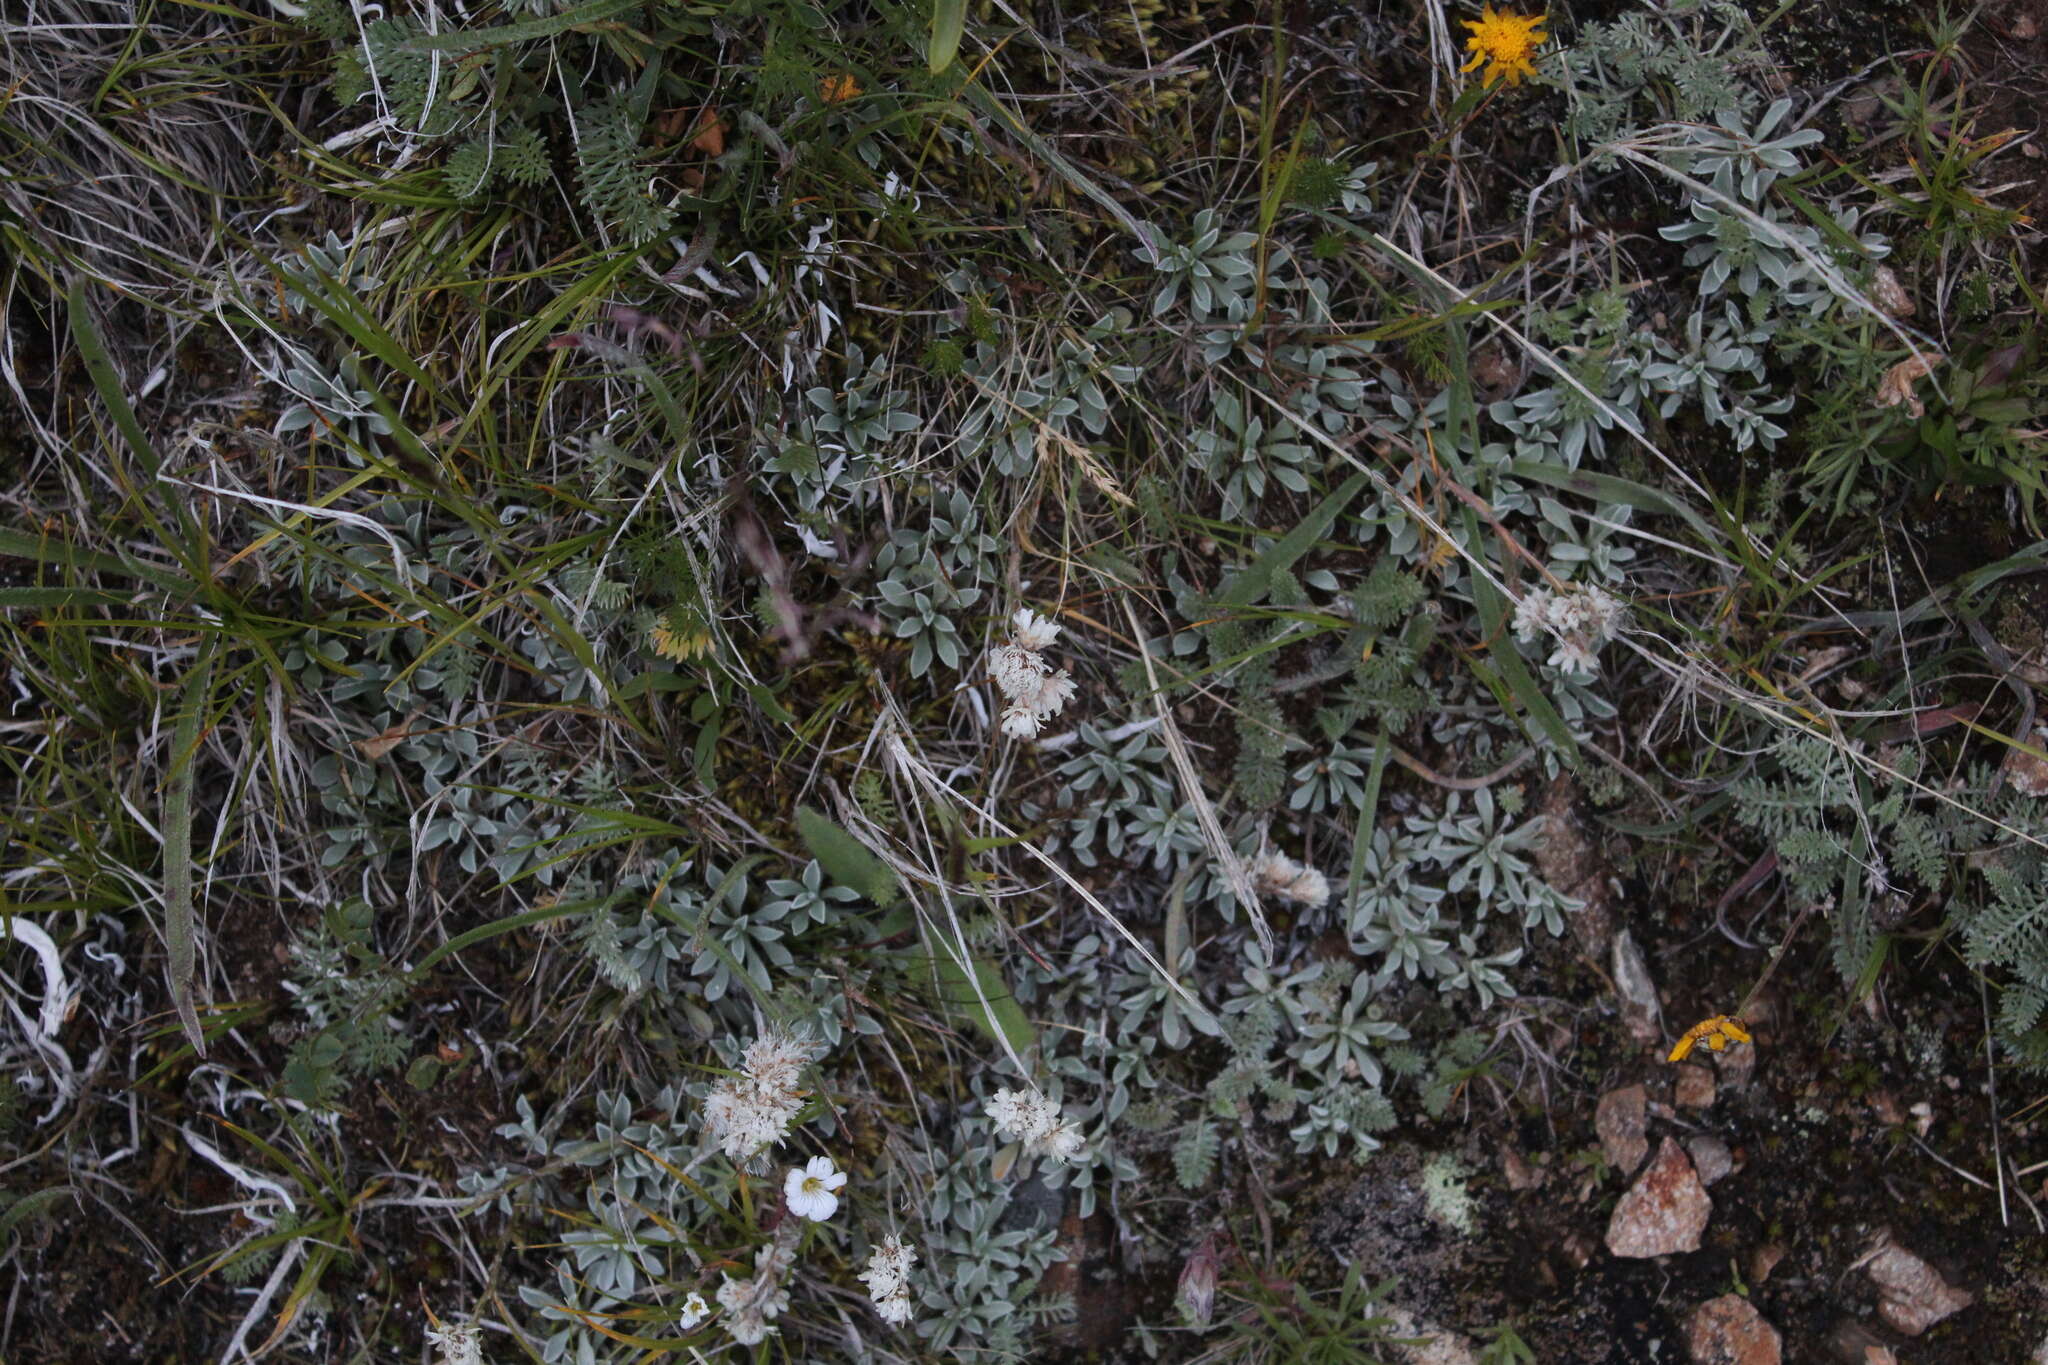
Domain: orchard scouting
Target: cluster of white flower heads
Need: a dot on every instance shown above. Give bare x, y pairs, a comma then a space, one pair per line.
458, 1343
1037, 1122
888, 1279
750, 1305
1023, 676
1276, 874
1580, 620
749, 1113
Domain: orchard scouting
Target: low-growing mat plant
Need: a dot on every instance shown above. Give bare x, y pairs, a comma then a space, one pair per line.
765, 682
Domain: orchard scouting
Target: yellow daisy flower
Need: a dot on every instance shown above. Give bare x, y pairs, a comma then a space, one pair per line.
1715, 1033
1504, 42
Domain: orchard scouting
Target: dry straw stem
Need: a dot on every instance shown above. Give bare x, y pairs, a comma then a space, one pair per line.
1679, 668
955, 943
1443, 50
1412, 505
909, 763
1542, 356
1837, 283
1191, 787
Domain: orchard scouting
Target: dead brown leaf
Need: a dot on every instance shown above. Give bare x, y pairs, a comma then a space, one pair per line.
378, 745
1897, 385
709, 135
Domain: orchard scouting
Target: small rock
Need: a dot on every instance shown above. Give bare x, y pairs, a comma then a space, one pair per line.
2025, 773
1710, 1157
1915, 1297
1763, 1261
1434, 1345
1641, 1011
1665, 1211
1736, 1066
1852, 1342
1694, 1088
2024, 27
1620, 1122
1862, 108
1729, 1331
1521, 1175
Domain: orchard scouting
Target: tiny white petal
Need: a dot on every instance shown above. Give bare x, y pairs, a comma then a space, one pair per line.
1020, 721
1532, 613
813, 1191
1033, 632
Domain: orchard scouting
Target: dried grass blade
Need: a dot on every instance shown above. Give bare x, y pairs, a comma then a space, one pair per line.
1191, 787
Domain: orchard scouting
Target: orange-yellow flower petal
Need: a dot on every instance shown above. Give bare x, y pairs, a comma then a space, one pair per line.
1504, 42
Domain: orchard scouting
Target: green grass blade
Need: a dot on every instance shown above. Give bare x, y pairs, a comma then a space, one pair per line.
949, 22
1520, 682
1257, 580
99, 367
479, 40
1610, 488
177, 833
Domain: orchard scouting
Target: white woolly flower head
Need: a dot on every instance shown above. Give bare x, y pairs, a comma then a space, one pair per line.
1016, 671
774, 1060
1574, 655
750, 1305
813, 1192
1050, 695
746, 1121
1033, 632
457, 1343
1028, 683
1035, 1121
888, 1279
889, 1266
751, 1112
1606, 614
1063, 1143
1276, 874
1579, 620
1020, 721
1532, 614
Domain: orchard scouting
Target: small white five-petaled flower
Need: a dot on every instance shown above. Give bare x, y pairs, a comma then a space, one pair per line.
813, 1192
695, 1310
